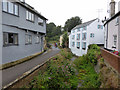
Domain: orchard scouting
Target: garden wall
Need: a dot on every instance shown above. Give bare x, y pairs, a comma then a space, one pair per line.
112, 59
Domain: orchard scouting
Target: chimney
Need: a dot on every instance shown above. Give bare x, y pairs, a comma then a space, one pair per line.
118, 6
22, 1
112, 8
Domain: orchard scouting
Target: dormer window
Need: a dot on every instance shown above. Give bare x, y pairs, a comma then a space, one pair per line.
40, 21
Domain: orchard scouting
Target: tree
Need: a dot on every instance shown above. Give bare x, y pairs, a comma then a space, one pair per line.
71, 23
53, 32
65, 40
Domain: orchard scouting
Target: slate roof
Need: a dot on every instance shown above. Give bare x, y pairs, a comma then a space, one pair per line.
85, 24
30, 8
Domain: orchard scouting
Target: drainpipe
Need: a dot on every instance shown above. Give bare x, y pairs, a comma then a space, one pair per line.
107, 37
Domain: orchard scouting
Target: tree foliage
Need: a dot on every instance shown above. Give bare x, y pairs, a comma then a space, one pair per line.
53, 32
71, 23
65, 41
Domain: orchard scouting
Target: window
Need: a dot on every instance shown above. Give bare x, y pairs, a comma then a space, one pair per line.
78, 29
29, 16
115, 40
100, 26
85, 28
117, 21
84, 36
78, 36
78, 45
73, 31
10, 7
73, 36
73, 44
28, 39
4, 5
40, 21
10, 39
92, 35
84, 45
37, 39
15, 9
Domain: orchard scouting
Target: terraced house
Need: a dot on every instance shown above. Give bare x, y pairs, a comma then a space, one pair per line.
23, 30
112, 29
91, 32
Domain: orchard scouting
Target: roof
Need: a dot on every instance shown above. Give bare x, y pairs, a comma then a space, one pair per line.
31, 8
85, 24
117, 14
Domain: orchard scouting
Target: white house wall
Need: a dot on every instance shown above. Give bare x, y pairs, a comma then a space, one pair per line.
112, 30
99, 33
92, 28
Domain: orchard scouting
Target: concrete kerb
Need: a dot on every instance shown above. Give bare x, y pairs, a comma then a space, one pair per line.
26, 74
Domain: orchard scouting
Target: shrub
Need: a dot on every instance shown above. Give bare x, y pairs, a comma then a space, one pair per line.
93, 53
59, 73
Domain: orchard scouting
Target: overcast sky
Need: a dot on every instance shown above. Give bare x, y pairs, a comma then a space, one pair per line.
58, 11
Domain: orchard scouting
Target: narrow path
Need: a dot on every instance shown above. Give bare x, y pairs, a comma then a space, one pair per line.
10, 74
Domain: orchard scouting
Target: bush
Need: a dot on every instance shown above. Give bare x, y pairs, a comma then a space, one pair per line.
93, 53
59, 73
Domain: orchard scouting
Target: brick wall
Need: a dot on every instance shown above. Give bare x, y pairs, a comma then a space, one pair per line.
112, 59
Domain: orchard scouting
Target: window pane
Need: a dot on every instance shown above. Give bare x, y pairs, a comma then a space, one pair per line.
10, 38
4, 5
26, 39
16, 9
10, 7
27, 15
5, 38
15, 39
30, 16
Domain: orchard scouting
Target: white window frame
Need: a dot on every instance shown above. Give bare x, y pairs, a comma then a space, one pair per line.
84, 45
28, 39
40, 21
114, 40
6, 39
30, 16
5, 5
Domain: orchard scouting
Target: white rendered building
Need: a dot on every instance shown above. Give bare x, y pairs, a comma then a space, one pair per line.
91, 32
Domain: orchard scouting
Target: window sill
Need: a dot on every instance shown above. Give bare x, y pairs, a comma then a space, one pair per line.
28, 44
30, 21
84, 48
11, 14
37, 43
10, 45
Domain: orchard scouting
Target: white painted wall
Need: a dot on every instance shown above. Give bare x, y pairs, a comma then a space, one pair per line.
112, 30
92, 28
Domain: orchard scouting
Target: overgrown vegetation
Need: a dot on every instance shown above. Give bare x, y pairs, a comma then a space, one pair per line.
59, 73
85, 65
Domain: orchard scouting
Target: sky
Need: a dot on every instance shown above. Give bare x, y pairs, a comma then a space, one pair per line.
58, 11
